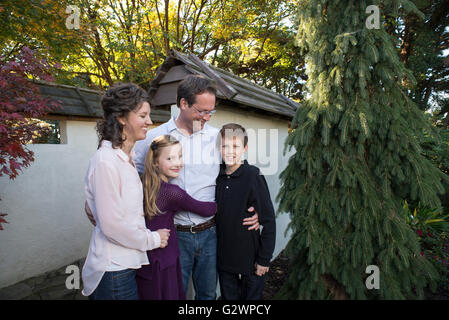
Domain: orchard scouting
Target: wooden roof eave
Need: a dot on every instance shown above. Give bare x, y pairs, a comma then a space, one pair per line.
256, 101
238, 82
248, 93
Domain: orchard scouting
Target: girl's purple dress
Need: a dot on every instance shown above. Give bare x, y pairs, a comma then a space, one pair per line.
162, 278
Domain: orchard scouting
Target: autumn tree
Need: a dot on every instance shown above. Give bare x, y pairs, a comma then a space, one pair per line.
20, 108
38, 25
268, 56
127, 40
130, 39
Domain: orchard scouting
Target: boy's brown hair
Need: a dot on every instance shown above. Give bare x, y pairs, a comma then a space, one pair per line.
234, 130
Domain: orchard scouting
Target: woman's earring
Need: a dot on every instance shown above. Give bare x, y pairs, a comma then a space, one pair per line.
123, 133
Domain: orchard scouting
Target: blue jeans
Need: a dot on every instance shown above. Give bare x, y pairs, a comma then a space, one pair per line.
117, 285
199, 259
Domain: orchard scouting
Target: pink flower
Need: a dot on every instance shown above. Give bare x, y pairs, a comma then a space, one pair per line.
419, 231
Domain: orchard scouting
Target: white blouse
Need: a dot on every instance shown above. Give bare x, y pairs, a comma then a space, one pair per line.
115, 196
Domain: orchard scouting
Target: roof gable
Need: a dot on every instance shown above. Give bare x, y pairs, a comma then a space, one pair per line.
229, 87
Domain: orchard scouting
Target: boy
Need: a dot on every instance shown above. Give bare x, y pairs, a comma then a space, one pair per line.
243, 256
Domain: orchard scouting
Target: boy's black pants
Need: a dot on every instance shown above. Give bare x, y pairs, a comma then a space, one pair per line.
241, 287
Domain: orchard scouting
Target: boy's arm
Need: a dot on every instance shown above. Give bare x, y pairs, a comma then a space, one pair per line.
267, 219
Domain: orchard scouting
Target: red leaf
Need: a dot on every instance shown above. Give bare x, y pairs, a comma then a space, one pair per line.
2, 220
19, 100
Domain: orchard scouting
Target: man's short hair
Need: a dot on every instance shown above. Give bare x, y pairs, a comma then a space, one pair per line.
230, 130
193, 85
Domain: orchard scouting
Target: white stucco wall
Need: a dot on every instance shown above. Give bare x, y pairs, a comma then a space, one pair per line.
47, 226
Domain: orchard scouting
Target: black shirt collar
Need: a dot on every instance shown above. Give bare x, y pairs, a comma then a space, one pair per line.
237, 172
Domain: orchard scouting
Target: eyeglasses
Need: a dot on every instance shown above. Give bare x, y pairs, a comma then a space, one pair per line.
203, 113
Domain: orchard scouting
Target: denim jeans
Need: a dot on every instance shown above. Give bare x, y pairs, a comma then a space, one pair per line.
117, 285
199, 259
241, 287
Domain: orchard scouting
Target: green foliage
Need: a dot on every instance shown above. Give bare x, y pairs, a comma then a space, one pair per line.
421, 39
52, 135
358, 155
425, 219
268, 56
423, 42
38, 25
432, 227
437, 151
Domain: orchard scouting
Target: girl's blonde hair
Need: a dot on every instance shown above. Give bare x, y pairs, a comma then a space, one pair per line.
151, 179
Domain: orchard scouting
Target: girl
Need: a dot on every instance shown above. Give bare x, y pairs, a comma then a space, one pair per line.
114, 194
162, 279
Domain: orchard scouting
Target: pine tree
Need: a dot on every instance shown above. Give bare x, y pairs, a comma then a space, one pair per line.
423, 42
357, 141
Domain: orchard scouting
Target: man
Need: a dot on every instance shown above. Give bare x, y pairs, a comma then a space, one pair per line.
197, 238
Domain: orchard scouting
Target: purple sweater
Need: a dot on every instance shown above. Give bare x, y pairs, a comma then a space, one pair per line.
171, 199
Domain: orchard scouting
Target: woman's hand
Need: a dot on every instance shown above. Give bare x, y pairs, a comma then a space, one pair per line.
164, 234
261, 270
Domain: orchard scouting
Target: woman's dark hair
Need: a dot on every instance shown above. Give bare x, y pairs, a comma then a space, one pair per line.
118, 101
193, 85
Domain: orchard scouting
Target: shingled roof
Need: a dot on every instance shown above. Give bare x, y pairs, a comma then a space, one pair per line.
82, 102
230, 87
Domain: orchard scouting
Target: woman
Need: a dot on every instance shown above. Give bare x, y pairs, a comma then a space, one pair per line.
114, 194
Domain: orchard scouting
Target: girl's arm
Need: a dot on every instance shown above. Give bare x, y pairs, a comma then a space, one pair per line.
184, 202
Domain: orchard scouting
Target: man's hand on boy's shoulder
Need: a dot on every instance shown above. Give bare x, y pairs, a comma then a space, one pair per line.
252, 221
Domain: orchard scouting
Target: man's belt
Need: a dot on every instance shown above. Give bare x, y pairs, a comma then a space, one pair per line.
197, 228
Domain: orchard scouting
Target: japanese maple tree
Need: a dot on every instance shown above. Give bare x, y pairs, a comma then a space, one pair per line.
20, 107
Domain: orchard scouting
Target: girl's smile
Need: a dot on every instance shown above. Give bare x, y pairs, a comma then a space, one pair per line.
170, 162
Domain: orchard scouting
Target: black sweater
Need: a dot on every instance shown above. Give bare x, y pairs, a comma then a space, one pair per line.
238, 248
